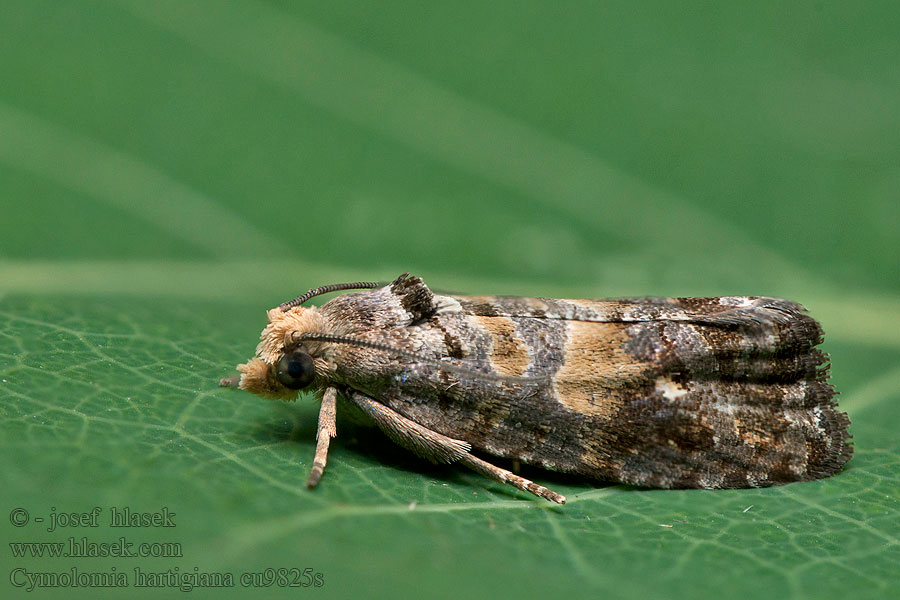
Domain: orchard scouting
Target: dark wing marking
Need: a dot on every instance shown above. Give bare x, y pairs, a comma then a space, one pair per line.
415, 297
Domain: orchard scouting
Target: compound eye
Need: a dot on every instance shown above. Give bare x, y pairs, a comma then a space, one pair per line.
295, 370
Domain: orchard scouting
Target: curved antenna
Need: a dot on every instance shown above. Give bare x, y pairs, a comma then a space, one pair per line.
334, 287
443, 366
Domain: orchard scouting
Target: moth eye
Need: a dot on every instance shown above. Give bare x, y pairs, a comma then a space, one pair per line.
296, 370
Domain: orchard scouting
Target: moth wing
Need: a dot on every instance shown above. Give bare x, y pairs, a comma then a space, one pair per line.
680, 392
683, 392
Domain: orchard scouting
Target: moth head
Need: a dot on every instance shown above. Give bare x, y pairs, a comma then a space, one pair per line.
283, 365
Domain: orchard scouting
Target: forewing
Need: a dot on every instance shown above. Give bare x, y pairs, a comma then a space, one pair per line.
691, 392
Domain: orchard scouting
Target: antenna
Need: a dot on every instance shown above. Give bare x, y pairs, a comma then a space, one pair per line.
334, 287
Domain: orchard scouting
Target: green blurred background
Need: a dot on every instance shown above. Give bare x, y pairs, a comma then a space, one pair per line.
169, 170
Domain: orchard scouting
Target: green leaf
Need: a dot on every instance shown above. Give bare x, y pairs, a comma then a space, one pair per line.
172, 170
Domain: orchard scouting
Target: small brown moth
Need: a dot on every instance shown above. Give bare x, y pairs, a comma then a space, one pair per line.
655, 392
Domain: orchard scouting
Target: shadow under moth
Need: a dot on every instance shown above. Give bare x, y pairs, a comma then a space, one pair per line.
724, 392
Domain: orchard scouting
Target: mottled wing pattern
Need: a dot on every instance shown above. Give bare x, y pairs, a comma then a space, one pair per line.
686, 392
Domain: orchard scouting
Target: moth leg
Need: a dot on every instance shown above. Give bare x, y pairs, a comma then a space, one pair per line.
327, 430
504, 476
439, 448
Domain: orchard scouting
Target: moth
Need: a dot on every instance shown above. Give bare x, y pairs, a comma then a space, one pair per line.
727, 392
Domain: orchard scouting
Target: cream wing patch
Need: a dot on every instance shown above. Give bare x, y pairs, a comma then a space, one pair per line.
509, 354
596, 365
